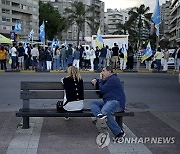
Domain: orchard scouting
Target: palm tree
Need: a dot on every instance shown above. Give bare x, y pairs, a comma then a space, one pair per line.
139, 18
121, 28
79, 15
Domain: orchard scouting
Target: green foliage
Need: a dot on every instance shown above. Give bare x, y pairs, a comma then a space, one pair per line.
79, 14
139, 18
53, 20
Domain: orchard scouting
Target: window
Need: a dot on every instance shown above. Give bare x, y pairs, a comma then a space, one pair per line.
5, 11
24, 7
15, 5
5, 2
4, 19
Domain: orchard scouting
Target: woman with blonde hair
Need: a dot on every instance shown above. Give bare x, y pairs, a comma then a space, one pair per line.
74, 90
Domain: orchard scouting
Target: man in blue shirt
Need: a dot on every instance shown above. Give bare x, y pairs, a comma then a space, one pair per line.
113, 99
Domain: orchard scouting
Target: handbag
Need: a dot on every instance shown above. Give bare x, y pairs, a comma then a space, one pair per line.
10, 61
59, 106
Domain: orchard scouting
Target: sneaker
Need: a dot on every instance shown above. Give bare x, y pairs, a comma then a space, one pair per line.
101, 116
121, 135
66, 118
101, 119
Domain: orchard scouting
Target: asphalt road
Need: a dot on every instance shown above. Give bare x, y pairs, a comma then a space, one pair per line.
144, 91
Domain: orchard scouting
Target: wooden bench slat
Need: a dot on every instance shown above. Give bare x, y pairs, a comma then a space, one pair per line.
54, 113
53, 95
36, 85
50, 86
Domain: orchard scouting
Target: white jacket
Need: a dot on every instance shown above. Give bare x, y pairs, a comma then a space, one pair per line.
86, 54
92, 54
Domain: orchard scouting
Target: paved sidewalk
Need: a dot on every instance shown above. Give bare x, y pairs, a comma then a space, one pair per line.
8, 125
78, 135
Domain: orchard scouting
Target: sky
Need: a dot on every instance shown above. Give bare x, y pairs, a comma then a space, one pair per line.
130, 3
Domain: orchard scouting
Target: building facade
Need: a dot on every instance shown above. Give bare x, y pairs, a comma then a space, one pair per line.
165, 24
25, 12
86, 31
112, 17
174, 23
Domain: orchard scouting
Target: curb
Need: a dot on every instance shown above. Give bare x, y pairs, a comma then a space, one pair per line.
84, 71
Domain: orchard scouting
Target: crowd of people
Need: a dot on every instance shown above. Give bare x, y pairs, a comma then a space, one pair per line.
83, 57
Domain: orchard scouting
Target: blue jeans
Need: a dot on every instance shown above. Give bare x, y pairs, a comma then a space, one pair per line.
42, 65
13, 65
63, 64
158, 63
108, 109
56, 63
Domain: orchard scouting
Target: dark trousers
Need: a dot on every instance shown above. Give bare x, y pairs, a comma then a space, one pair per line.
3, 64
86, 63
158, 63
130, 61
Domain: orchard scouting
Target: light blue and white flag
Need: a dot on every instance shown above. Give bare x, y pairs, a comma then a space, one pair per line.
53, 43
124, 51
156, 17
17, 27
57, 43
30, 35
65, 44
42, 32
147, 52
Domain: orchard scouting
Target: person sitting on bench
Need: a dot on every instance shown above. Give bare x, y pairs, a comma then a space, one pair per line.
113, 100
74, 90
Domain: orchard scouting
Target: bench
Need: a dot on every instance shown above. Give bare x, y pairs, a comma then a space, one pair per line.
54, 90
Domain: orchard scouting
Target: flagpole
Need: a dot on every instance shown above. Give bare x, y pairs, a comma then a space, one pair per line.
157, 41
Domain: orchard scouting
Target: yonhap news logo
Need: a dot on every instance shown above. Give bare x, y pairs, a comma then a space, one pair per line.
103, 140
144, 140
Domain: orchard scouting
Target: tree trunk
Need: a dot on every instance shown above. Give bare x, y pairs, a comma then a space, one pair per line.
139, 37
78, 33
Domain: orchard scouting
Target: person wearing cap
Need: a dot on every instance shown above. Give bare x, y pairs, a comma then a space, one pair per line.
113, 100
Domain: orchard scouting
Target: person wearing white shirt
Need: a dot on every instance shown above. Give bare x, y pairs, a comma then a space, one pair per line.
35, 57
108, 56
86, 57
13, 53
92, 57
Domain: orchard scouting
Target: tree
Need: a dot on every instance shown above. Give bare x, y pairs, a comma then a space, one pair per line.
121, 28
139, 18
53, 20
79, 15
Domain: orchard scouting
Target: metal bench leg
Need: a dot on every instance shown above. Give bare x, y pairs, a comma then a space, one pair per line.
25, 123
119, 120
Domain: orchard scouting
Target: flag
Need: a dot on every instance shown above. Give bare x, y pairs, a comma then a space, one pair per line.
25, 45
42, 32
156, 17
147, 52
65, 44
17, 27
124, 51
99, 40
57, 43
30, 35
52, 44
